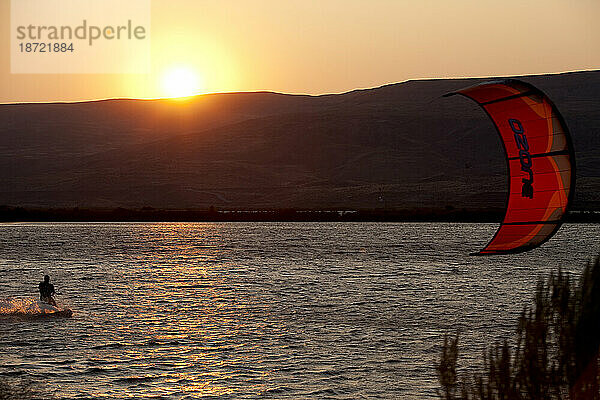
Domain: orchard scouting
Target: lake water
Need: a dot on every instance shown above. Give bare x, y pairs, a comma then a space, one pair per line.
262, 310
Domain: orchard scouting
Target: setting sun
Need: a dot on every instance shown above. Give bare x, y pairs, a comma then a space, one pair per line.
180, 82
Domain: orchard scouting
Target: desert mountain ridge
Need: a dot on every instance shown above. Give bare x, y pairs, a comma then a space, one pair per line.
396, 146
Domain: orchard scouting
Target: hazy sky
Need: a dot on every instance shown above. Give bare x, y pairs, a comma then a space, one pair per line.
302, 46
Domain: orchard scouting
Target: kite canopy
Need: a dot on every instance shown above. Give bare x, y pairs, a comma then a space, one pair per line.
540, 159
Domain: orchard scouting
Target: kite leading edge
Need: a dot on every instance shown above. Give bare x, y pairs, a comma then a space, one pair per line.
540, 161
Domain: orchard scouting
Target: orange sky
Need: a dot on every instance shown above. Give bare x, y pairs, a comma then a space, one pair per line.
302, 46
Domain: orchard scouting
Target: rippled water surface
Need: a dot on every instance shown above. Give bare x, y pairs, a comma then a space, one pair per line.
262, 310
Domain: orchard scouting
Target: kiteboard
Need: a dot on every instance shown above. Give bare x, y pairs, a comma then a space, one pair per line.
48, 310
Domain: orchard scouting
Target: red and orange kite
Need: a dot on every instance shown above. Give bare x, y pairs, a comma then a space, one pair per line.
540, 159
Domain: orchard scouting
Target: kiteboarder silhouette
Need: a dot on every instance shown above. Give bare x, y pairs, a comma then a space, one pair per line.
46, 291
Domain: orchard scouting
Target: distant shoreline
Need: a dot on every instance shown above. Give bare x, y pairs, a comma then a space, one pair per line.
149, 214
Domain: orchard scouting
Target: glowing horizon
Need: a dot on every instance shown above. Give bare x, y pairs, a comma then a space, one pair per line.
302, 47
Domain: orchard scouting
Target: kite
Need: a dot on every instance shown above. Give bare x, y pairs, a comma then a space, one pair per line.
540, 162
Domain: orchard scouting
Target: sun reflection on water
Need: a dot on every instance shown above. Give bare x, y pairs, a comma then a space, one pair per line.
182, 305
